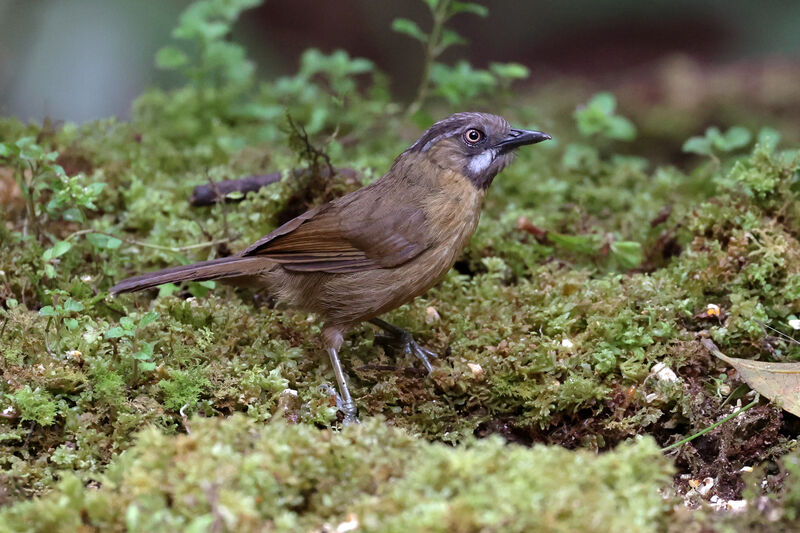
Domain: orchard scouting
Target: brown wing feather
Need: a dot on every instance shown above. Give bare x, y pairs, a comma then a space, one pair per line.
344, 237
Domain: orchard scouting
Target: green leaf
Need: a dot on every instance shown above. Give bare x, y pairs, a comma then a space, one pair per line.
72, 306
143, 355
116, 332
201, 288
73, 214
736, 137
468, 7
410, 28
58, 170
450, 38
58, 249
697, 145
96, 188
103, 242
170, 58
148, 366
620, 128
71, 323
628, 254
585, 244
604, 102
11, 303
7, 150
769, 138
47, 310
148, 318
511, 71
28, 149
127, 323
167, 289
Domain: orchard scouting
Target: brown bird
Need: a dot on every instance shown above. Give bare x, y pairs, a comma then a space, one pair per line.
379, 247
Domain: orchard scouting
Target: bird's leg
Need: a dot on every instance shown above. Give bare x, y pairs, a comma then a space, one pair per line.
403, 340
346, 403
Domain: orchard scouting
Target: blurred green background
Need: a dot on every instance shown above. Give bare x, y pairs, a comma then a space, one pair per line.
80, 60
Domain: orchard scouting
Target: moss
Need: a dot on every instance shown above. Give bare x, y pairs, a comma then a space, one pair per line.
238, 475
35, 405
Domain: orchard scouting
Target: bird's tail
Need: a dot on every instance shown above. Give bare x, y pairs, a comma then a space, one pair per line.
225, 267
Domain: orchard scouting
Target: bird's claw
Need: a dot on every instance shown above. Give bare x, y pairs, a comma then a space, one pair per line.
349, 410
405, 343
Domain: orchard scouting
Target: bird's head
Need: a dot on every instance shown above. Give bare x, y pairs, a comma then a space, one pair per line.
477, 145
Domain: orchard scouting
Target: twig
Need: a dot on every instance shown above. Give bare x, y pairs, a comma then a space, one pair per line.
133, 242
312, 153
712, 426
217, 192
779, 332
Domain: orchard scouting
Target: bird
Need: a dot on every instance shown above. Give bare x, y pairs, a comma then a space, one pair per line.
372, 250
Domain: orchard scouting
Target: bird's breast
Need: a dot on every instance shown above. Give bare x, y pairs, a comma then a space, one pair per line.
452, 213
453, 210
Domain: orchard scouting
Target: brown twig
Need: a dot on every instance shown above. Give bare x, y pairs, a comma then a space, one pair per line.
215, 192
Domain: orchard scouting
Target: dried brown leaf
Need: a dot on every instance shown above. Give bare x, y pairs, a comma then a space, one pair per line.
780, 382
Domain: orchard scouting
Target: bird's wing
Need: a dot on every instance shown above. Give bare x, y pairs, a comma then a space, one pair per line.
346, 237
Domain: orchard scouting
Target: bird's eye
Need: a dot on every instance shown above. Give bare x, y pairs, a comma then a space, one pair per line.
473, 136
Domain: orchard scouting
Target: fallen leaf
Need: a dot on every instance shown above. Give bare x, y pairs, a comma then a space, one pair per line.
780, 382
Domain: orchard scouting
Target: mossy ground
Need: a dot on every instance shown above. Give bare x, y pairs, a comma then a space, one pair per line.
174, 410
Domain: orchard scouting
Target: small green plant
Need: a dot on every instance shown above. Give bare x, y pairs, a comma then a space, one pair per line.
51, 257
625, 254
714, 141
460, 83
598, 118
63, 311
321, 96
127, 331
47, 190
205, 26
220, 79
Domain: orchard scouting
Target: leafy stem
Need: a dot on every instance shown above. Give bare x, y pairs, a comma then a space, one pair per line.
433, 49
461, 82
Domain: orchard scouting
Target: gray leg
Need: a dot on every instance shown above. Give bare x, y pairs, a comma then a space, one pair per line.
348, 406
403, 339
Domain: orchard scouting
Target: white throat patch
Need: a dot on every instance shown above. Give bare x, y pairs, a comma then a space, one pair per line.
481, 162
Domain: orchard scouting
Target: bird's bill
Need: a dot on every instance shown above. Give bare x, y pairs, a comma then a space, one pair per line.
517, 138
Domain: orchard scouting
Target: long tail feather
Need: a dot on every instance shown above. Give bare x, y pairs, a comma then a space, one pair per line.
225, 267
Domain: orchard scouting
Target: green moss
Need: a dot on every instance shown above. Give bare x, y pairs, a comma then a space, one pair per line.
184, 387
35, 405
244, 476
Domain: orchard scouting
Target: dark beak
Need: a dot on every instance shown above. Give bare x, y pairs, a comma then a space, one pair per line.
517, 138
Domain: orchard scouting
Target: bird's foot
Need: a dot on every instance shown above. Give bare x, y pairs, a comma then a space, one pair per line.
402, 340
348, 409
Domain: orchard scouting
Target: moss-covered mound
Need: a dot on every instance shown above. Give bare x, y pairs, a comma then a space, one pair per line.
239, 475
